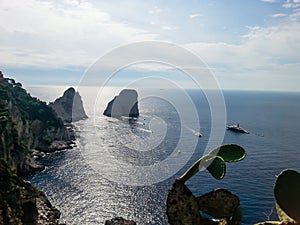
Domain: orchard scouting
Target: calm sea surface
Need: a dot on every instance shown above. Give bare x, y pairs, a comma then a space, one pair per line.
88, 184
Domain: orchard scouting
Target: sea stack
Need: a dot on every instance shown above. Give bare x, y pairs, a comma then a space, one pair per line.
124, 104
69, 107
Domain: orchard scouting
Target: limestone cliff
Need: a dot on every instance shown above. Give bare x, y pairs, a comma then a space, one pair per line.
26, 123
125, 104
69, 107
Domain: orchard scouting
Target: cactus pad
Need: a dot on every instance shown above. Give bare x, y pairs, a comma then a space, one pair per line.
287, 193
219, 203
230, 152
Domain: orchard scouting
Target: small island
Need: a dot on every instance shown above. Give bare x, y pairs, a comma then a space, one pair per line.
124, 104
69, 107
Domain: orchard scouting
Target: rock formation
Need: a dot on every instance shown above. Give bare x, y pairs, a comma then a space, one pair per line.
69, 107
119, 221
26, 123
22, 203
124, 104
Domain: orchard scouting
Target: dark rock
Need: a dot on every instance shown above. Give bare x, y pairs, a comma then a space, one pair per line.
27, 123
119, 221
60, 145
125, 104
69, 107
23, 204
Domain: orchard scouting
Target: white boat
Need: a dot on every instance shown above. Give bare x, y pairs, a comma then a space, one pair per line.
198, 134
237, 128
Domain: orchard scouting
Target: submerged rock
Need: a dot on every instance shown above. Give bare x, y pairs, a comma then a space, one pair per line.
124, 104
69, 107
119, 221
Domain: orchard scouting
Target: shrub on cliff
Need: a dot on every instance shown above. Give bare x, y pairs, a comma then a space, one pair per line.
30, 108
26, 123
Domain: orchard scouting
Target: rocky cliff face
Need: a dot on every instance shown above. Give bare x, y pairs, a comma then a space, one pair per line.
69, 107
125, 104
26, 123
22, 203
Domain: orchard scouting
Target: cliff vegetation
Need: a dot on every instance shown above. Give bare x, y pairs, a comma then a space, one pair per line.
26, 123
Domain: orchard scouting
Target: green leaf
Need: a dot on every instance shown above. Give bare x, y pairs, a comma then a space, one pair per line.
216, 167
287, 193
230, 152
237, 217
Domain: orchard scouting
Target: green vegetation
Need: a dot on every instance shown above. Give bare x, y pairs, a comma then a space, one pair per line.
18, 198
215, 161
287, 195
184, 208
30, 108
25, 122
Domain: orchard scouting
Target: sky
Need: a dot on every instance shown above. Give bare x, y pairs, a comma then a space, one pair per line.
246, 44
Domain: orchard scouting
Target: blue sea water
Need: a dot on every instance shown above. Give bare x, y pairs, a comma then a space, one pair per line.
84, 184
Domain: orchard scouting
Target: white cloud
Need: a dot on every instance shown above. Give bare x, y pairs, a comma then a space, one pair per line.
192, 16
291, 4
170, 28
49, 33
270, 1
279, 15
267, 53
156, 10
68, 33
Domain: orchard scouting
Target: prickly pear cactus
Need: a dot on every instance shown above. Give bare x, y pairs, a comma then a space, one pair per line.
219, 203
183, 208
287, 195
214, 161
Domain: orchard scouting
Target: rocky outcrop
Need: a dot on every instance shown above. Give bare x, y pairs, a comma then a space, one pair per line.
27, 123
22, 203
119, 221
69, 107
124, 104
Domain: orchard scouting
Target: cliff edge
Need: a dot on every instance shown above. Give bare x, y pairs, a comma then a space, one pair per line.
22, 203
27, 123
27, 126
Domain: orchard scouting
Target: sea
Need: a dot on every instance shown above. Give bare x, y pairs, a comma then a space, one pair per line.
124, 167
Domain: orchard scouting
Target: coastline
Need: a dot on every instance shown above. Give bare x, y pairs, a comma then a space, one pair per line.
29, 128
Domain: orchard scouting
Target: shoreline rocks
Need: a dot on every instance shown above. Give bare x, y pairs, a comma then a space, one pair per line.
124, 104
29, 128
119, 221
23, 204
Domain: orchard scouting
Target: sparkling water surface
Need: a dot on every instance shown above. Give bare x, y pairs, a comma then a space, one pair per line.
78, 181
